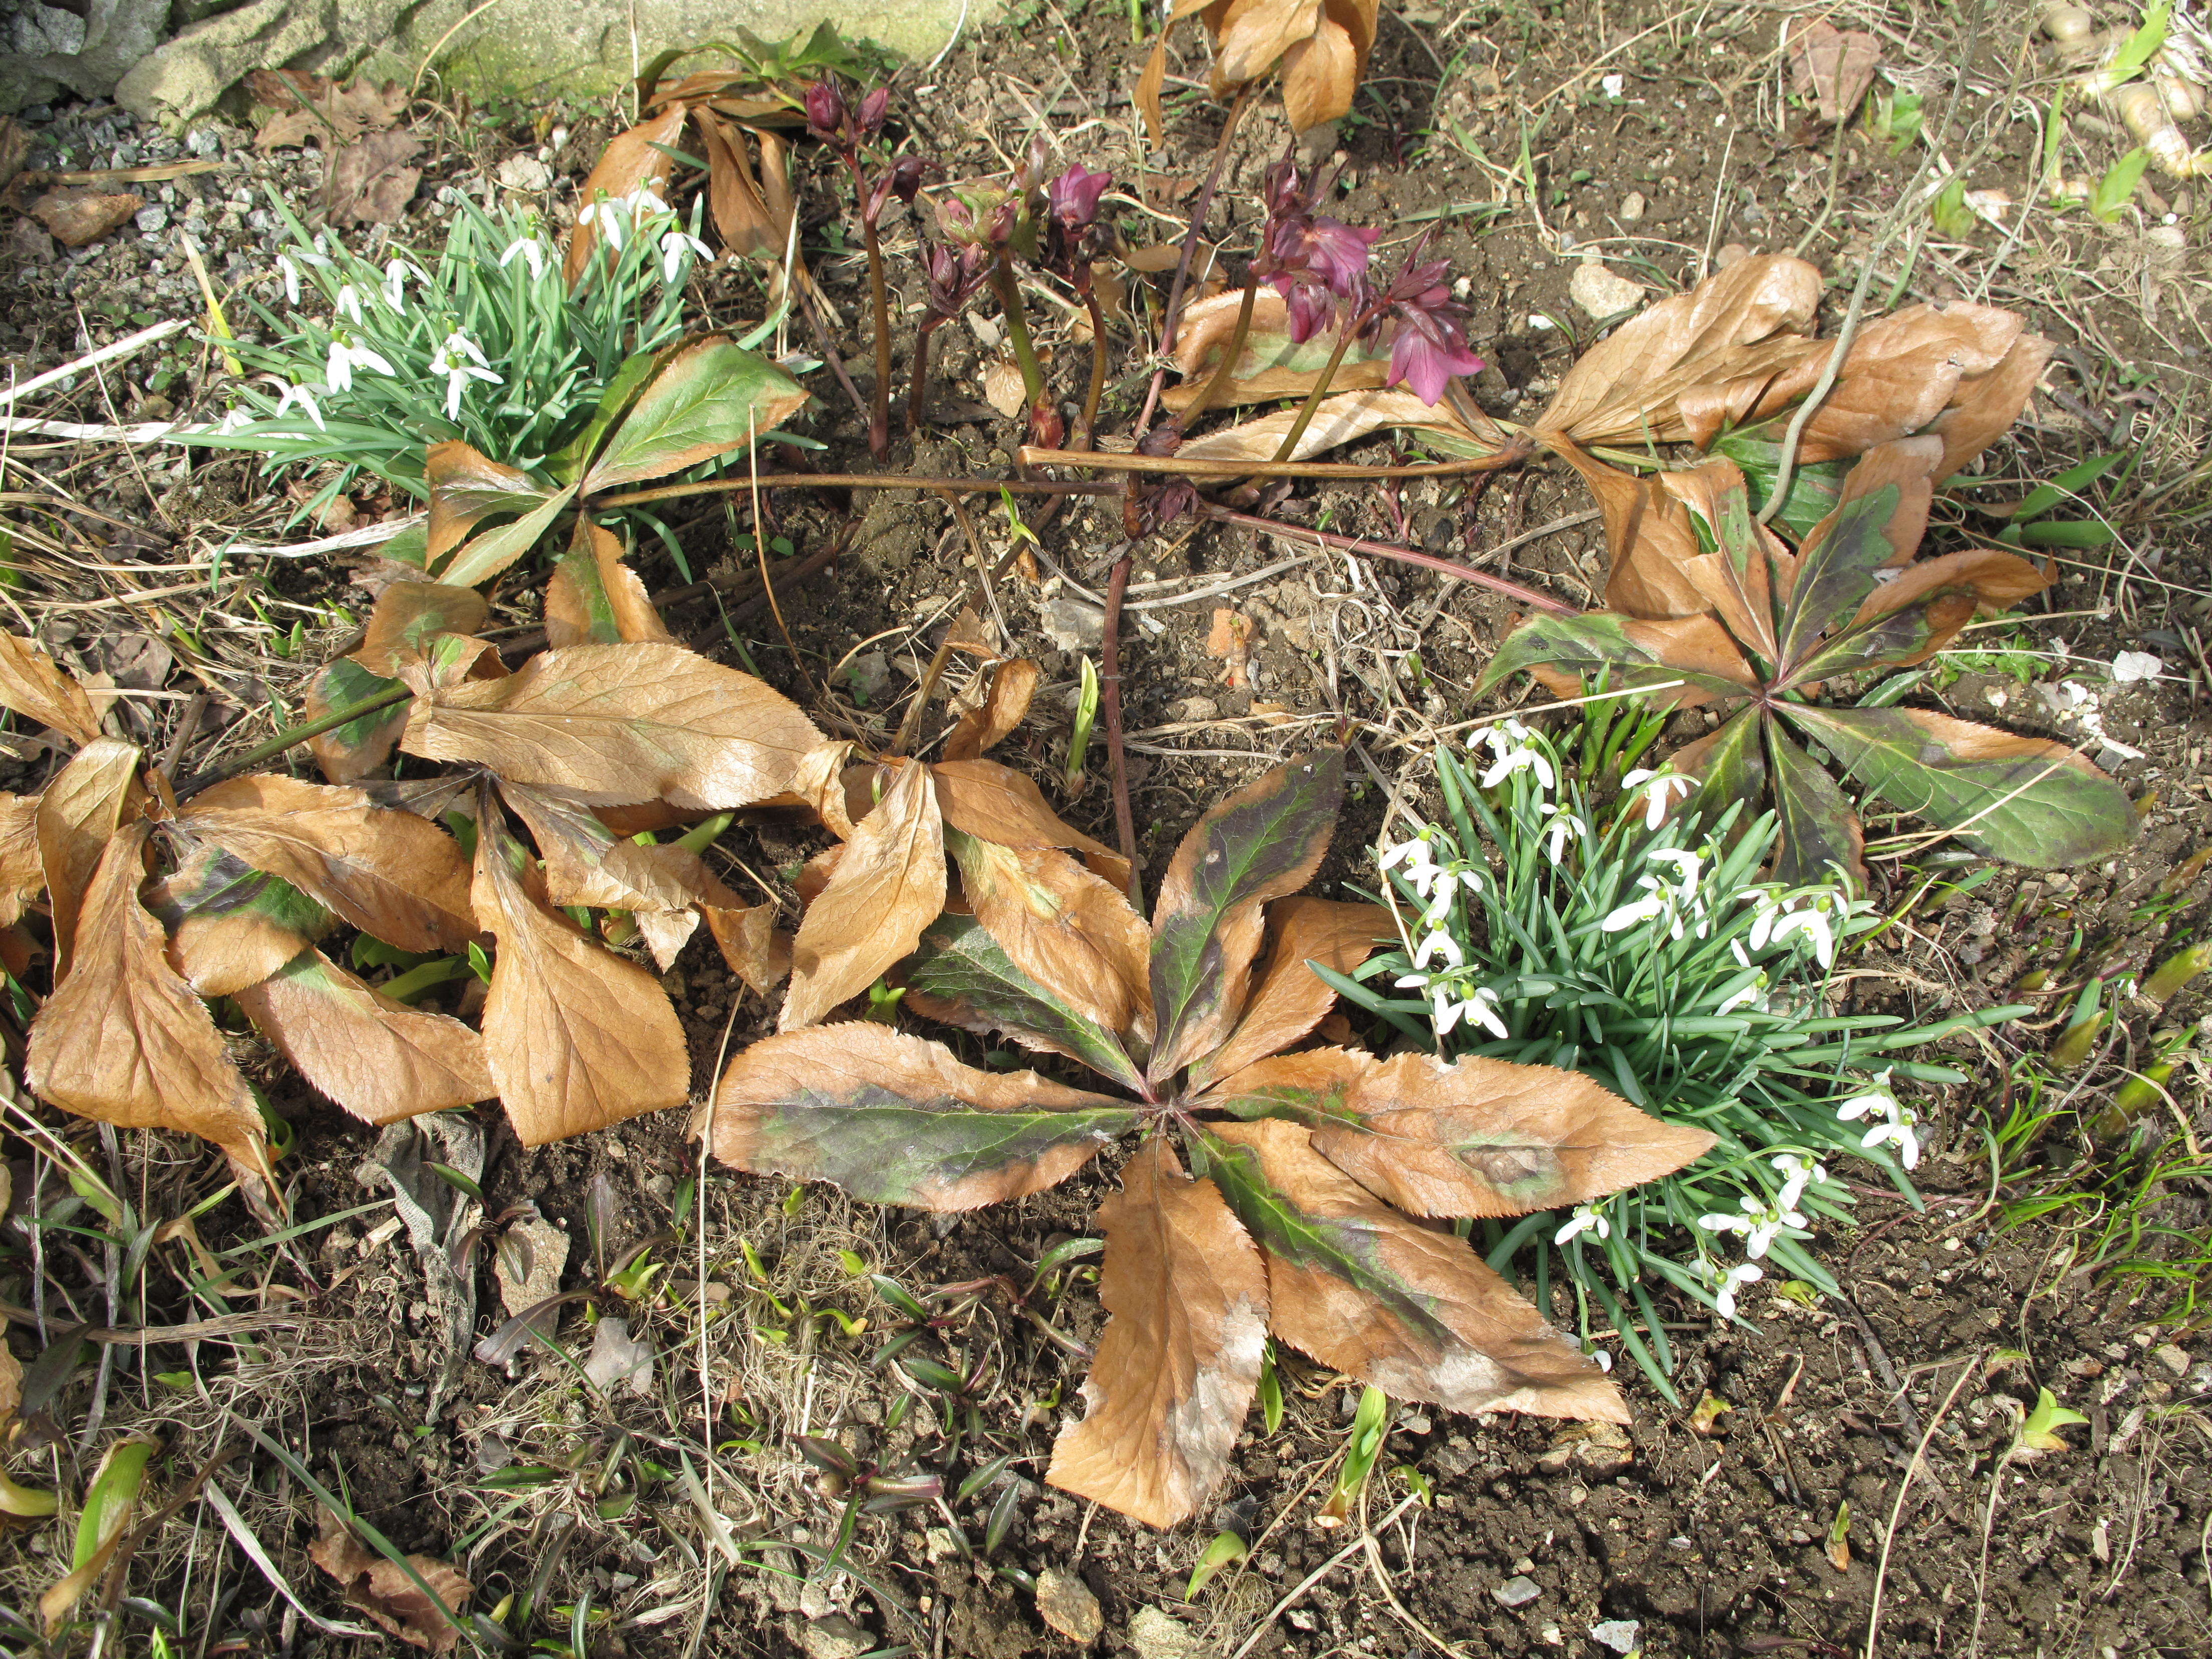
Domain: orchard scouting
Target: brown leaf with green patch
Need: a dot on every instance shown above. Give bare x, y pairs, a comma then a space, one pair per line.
230, 925
467, 488
576, 1037
124, 1039
889, 885
380, 1060
1648, 538
77, 814
408, 616
1068, 930
707, 398
350, 752
897, 1120
33, 687
391, 874
1263, 842
1179, 1361
1410, 1309
615, 724
1288, 998
1488, 1138
594, 598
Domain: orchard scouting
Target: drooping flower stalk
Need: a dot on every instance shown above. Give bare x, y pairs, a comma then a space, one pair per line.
832, 119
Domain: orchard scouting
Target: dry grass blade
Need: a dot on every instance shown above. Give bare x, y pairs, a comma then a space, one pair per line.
889, 885
1179, 1362
126, 1040
380, 1060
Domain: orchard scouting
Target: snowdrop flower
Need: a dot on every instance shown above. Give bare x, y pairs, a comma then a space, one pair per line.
1585, 1218
1686, 863
1651, 907
610, 217
673, 247
1440, 943
300, 395
1749, 1272
530, 251
349, 303
396, 273
452, 360
1662, 901
1796, 1174
1655, 796
291, 275
1566, 826
1877, 1099
1603, 1358
1479, 1005
1896, 1128
1777, 918
345, 358
1516, 751
1753, 989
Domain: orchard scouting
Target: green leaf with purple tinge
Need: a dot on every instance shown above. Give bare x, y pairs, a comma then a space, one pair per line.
1837, 572
1819, 828
1731, 766
1263, 842
2022, 799
1588, 644
962, 976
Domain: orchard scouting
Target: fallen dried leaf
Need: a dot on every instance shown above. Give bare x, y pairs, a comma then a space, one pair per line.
370, 182
1835, 66
391, 1599
77, 816
635, 160
1179, 1361
77, 218
889, 885
35, 688
314, 107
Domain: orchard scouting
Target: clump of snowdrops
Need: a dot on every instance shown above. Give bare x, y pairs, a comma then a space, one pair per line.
369, 362
1541, 926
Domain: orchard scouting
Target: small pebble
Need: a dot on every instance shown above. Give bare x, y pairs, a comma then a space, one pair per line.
1632, 207
1618, 1634
2175, 1358
1517, 1592
152, 221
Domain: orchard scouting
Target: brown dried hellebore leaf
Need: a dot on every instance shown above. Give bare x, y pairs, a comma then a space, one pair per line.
35, 688
613, 723
742, 217
889, 885
393, 1601
755, 949
78, 217
380, 1060
77, 814
982, 798
1900, 374
391, 874
408, 616
467, 488
1288, 998
230, 925
1068, 930
895, 1120
126, 1040
1833, 66
1488, 1138
22, 870
314, 107
1985, 405
576, 1037
1321, 73
370, 182
1649, 540
1383, 1298
594, 598
1270, 364
1678, 370
1179, 1362
630, 162
1250, 35
1154, 74
1343, 418
1012, 683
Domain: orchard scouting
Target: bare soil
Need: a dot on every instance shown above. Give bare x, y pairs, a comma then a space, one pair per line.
1861, 1471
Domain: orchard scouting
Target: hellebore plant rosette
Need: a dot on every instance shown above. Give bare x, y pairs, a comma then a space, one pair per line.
1272, 1192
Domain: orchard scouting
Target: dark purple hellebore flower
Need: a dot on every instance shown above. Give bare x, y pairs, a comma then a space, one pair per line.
903, 181
1315, 262
1429, 344
874, 108
827, 111
1073, 199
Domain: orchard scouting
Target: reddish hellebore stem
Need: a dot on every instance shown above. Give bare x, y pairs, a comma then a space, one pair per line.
1527, 596
1223, 376
1110, 694
922, 331
1203, 206
879, 410
1087, 433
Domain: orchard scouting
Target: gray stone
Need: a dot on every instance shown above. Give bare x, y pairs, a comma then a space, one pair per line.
1065, 1602
524, 173
1156, 1636
533, 46
1517, 1592
1602, 292
152, 221
1618, 1634
1072, 624
45, 48
835, 1638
